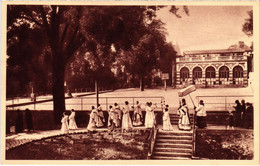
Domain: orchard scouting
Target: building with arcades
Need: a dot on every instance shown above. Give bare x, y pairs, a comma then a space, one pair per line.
214, 67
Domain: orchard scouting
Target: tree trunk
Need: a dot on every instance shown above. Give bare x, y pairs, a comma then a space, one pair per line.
58, 72
142, 84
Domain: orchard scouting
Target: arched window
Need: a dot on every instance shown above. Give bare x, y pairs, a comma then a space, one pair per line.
184, 73
210, 72
224, 72
238, 72
197, 72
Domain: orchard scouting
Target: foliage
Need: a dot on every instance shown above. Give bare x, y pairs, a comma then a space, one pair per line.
227, 146
248, 24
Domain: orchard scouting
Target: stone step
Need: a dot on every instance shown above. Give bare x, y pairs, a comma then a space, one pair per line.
170, 158
173, 141
175, 137
170, 145
168, 149
176, 133
172, 154
175, 115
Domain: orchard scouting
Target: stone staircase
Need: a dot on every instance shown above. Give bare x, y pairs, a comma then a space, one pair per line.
173, 145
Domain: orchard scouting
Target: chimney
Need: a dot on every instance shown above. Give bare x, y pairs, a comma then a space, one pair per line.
241, 44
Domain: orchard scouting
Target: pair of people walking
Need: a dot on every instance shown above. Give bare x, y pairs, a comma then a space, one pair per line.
68, 122
120, 118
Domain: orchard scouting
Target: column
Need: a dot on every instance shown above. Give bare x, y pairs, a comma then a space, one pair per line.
230, 77
217, 77
245, 77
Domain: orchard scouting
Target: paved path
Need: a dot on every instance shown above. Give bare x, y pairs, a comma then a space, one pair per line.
14, 140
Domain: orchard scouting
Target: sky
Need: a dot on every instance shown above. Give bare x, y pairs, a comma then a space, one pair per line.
206, 27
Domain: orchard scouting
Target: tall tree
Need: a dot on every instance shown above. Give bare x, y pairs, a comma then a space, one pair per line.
61, 28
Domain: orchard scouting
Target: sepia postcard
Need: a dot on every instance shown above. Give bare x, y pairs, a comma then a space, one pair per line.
130, 82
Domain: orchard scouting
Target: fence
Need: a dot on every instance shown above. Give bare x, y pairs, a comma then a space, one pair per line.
223, 103
85, 103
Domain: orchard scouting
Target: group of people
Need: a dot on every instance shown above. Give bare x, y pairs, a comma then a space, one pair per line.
19, 125
68, 122
241, 116
120, 117
184, 122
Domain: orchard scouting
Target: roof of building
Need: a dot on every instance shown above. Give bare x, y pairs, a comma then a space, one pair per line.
240, 47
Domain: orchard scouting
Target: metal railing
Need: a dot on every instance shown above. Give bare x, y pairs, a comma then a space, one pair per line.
85, 103
194, 134
152, 138
223, 102
190, 59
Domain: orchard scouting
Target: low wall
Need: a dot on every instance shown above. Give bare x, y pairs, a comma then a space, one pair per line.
224, 144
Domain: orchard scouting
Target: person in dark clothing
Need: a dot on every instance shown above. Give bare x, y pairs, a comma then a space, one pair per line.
249, 116
243, 110
19, 122
28, 118
238, 113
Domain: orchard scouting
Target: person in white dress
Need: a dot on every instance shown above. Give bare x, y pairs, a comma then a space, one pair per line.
184, 121
166, 119
137, 118
119, 115
93, 118
101, 118
64, 124
72, 122
126, 120
149, 117
112, 117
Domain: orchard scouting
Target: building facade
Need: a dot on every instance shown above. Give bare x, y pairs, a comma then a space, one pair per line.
214, 67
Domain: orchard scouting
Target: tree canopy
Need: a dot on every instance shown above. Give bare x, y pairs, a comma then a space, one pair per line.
101, 36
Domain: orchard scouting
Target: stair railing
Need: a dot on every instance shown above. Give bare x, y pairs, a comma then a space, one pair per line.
194, 134
152, 138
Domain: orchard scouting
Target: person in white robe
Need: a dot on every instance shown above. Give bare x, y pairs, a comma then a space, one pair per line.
149, 117
184, 121
126, 120
64, 124
166, 119
137, 117
93, 118
101, 118
72, 122
119, 115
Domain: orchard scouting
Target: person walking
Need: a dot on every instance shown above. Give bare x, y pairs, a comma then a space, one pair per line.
184, 121
149, 117
238, 113
101, 118
137, 118
72, 121
243, 110
126, 120
29, 120
166, 119
93, 119
201, 115
64, 123
119, 115
19, 121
